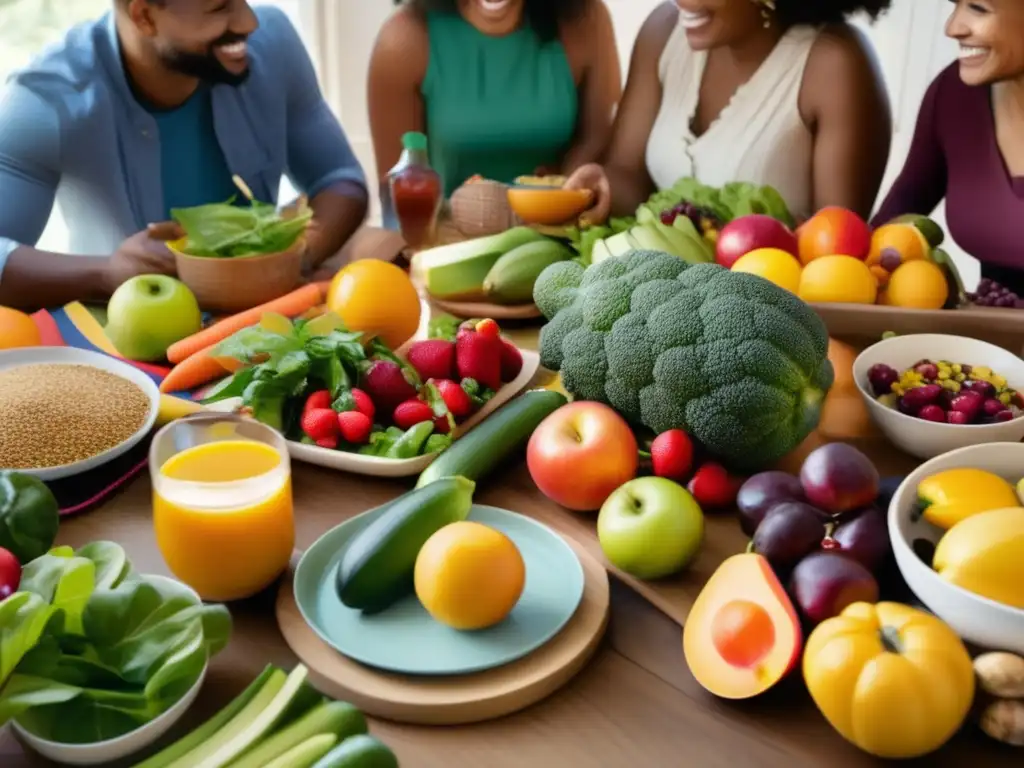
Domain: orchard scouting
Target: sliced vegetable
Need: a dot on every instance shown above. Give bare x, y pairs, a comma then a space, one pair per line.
338, 719
305, 754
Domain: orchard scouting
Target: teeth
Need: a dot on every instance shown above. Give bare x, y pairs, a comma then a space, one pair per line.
970, 52
234, 49
494, 5
693, 19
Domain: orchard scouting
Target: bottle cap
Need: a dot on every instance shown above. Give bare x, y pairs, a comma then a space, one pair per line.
414, 141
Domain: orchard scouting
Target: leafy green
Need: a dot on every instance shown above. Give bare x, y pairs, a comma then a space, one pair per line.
91, 650
443, 327
29, 516
226, 230
282, 367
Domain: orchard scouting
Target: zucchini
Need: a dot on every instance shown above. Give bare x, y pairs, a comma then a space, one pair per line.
359, 752
376, 568
486, 446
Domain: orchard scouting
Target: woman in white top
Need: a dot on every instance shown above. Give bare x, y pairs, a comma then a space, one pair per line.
778, 92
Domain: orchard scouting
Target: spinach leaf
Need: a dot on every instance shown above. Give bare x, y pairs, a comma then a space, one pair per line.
226, 230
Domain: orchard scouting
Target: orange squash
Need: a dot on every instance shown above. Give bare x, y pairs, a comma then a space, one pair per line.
844, 415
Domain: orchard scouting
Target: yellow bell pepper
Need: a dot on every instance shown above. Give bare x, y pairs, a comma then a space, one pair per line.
895, 681
985, 555
948, 497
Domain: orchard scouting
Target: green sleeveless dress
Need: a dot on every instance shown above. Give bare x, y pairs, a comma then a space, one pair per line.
500, 107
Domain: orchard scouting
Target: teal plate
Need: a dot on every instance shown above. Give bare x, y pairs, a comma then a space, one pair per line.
405, 639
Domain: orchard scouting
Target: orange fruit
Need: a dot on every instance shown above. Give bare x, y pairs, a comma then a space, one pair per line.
17, 329
838, 279
376, 298
774, 265
469, 576
917, 285
833, 231
895, 244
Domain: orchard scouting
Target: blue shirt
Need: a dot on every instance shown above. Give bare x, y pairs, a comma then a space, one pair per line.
71, 131
193, 170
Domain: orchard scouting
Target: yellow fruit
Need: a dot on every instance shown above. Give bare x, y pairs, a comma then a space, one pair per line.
918, 285
469, 576
838, 279
376, 298
774, 265
893, 245
982, 554
17, 329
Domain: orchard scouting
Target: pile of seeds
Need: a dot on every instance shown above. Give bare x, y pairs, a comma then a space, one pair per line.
56, 414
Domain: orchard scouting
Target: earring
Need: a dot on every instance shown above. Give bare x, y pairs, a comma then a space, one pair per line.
767, 11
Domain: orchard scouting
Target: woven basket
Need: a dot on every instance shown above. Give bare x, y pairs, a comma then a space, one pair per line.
480, 208
226, 286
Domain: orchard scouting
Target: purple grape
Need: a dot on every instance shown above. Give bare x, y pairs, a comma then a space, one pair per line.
932, 412
992, 406
864, 537
881, 377
1004, 415
763, 491
667, 217
917, 398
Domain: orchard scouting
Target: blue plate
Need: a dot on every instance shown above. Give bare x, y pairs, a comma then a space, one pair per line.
407, 640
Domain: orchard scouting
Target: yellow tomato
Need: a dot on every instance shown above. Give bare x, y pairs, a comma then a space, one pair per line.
376, 298
841, 279
774, 265
895, 681
918, 285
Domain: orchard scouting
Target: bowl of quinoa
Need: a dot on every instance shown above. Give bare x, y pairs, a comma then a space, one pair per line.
64, 411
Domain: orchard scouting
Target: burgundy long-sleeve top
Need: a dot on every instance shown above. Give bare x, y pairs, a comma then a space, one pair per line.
954, 155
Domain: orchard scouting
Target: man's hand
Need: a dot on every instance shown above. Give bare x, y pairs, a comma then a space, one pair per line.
144, 253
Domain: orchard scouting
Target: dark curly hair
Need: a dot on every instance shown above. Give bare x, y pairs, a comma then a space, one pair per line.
816, 12
545, 17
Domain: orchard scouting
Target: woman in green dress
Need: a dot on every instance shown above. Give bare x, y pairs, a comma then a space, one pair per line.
501, 88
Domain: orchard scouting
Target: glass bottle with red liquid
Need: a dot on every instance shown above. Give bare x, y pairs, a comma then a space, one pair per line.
415, 192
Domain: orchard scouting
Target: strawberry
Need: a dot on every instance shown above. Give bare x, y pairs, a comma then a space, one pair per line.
442, 425
488, 328
478, 355
364, 404
457, 400
355, 427
433, 358
319, 399
511, 361
713, 487
672, 455
321, 426
385, 383
412, 412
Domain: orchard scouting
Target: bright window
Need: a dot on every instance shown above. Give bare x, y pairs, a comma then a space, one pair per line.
28, 26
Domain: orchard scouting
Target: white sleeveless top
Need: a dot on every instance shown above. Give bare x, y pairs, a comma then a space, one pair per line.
759, 137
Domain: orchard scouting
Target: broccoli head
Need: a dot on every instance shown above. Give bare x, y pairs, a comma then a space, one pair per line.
739, 363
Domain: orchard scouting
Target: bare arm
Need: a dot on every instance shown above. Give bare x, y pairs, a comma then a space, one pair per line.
29, 175
921, 184
593, 39
845, 102
398, 65
625, 163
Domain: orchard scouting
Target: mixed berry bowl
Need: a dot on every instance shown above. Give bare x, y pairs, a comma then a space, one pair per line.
933, 393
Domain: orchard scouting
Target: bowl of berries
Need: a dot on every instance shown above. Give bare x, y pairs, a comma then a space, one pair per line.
932, 393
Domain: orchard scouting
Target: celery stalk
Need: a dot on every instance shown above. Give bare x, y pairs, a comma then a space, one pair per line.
190, 741
305, 754
337, 718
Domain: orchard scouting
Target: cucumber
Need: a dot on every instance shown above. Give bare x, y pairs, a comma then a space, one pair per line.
305, 754
511, 279
337, 718
377, 566
359, 752
507, 430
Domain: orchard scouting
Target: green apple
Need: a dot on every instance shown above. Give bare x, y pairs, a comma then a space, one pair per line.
650, 527
148, 313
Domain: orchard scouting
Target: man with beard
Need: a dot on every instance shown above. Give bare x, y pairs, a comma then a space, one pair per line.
156, 106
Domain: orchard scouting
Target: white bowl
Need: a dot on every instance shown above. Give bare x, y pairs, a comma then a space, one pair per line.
926, 439
104, 752
15, 358
975, 618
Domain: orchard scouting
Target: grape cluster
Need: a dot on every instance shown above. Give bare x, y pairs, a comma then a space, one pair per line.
992, 294
703, 219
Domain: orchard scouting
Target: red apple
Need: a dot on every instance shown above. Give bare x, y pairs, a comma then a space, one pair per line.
581, 453
748, 233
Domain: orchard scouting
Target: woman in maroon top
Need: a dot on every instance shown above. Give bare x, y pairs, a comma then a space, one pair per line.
968, 145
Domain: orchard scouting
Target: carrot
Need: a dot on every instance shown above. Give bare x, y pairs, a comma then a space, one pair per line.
195, 370
290, 305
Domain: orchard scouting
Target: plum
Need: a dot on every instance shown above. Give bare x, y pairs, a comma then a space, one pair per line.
761, 492
881, 377
838, 478
824, 584
887, 488
864, 536
789, 531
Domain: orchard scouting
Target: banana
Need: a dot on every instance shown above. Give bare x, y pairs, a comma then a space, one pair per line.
511, 279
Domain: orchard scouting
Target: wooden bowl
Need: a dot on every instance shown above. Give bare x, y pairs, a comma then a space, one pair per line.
227, 286
536, 205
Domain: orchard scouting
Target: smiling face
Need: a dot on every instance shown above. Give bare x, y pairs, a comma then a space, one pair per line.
713, 23
493, 17
205, 39
991, 37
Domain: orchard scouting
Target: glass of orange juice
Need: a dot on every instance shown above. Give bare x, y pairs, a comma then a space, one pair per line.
222, 504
